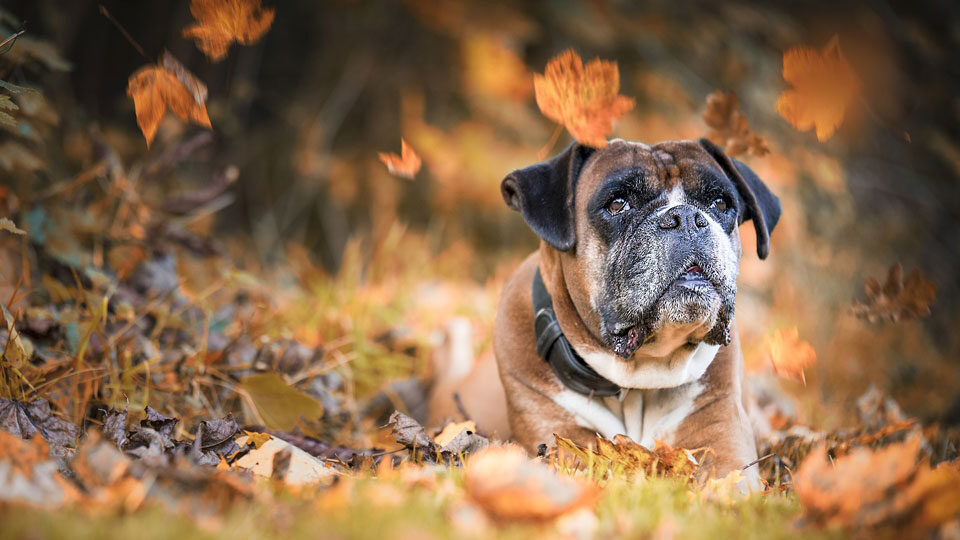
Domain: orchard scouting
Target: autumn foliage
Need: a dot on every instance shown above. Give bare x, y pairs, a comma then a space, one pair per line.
231, 330
221, 22
584, 99
824, 88
168, 85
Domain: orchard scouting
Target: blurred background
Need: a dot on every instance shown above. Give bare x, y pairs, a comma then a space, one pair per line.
328, 249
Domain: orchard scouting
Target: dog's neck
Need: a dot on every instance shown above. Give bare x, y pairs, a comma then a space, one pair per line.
666, 369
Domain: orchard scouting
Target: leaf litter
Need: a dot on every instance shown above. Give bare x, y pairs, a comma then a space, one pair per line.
66, 443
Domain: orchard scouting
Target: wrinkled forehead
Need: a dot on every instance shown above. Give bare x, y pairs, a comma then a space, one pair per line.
660, 166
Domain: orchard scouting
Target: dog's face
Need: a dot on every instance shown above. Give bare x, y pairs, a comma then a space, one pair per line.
651, 233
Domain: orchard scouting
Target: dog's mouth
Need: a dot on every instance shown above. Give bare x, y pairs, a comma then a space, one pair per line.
692, 277
625, 338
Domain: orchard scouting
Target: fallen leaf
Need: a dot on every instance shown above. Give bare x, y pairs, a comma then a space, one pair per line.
7, 225
584, 99
412, 435
27, 420
154, 88
221, 22
868, 488
897, 298
300, 467
510, 486
453, 429
28, 475
280, 405
406, 165
729, 128
623, 457
824, 85
256, 438
789, 354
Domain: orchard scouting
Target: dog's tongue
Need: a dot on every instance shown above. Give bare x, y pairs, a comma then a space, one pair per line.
693, 269
624, 345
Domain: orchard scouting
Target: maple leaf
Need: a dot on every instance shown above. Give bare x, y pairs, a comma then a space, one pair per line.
729, 127
789, 354
154, 88
221, 22
510, 486
824, 85
868, 488
406, 165
897, 298
584, 99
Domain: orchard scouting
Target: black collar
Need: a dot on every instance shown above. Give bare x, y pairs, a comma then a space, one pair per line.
553, 347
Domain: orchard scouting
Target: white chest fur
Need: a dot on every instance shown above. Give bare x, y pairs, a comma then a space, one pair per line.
651, 409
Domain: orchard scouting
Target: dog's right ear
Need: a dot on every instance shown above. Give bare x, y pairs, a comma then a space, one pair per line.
543, 194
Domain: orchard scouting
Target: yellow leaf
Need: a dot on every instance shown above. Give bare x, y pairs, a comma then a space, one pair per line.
280, 405
824, 85
585, 99
256, 438
221, 22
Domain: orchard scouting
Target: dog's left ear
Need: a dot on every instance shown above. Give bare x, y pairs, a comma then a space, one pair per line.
543, 194
762, 206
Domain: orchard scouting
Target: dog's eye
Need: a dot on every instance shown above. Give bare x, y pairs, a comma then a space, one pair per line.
720, 204
618, 205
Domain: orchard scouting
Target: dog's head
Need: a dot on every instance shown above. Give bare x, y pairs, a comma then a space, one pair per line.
651, 234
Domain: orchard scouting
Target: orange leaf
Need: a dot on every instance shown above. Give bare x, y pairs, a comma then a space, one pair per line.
169, 84
221, 22
585, 99
824, 85
511, 486
406, 165
868, 488
789, 354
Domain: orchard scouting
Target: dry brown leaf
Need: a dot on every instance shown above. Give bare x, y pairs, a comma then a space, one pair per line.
729, 127
584, 99
510, 486
624, 457
789, 354
155, 88
406, 165
6, 224
868, 488
897, 298
221, 22
824, 85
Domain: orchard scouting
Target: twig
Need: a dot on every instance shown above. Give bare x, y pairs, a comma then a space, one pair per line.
123, 31
12, 39
758, 460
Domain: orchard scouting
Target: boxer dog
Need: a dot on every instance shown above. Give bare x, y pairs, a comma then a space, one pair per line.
623, 321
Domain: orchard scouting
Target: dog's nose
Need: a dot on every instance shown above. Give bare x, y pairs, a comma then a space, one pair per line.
683, 217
